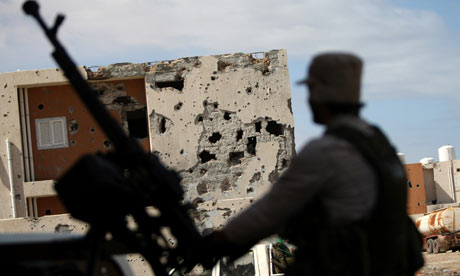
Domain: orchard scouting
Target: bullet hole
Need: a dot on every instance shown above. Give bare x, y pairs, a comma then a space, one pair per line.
227, 116
162, 125
284, 163
410, 184
73, 127
100, 92
203, 171
256, 177
181, 151
227, 214
137, 123
199, 119
222, 65
5, 115
124, 100
107, 144
73, 143
215, 137
251, 145
216, 105
249, 190
257, 85
37, 73
275, 128
176, 84
40, 107
205, 103
92, 130
213, 77
234, 158
258, 126
6, 85
239, 135
47, 212
273, 176
190, 171
178, 106
249, 90
202, 188
225, 185
197, 201
418, 185
266, 71
205, 156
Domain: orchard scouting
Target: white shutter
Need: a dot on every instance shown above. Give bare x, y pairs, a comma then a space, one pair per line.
58, 132
51, 133
44, 134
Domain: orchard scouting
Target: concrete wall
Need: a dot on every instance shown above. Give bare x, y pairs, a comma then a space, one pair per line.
430, 187
224, 122
456, 177
445, 190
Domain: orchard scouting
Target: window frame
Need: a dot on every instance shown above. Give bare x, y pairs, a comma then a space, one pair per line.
53, 144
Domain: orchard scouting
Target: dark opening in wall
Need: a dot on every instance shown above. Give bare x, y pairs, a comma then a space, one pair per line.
258, 126
215, 137
234, 158
205, 156
124, 100
239, 135
176, 84
107, 144
163, 125
275, 128
178, 106
137, 123
251, 146
227, 116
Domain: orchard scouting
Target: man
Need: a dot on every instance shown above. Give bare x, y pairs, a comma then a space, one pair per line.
325, 201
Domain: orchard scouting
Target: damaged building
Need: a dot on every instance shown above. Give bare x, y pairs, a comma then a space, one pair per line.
223, 122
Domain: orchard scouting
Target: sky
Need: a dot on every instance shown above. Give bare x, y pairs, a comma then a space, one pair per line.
410, 48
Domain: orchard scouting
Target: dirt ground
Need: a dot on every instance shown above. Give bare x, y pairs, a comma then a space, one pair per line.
442, 264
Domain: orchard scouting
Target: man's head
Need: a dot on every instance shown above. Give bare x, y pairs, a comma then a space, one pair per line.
334, 81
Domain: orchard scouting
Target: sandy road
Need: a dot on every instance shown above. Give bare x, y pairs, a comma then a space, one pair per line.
443, 264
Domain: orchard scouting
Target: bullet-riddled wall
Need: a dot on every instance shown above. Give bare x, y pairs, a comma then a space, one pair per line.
224, 122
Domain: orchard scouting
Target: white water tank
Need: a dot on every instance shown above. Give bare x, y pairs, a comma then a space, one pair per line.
402, 157
427, 162
446, 153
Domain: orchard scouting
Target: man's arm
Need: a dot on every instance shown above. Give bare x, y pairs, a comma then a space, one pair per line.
304, 179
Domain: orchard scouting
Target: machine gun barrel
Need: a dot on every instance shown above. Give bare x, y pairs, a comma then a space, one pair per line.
113, 131
148, 183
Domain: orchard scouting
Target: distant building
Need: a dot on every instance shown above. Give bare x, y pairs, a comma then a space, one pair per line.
434, 185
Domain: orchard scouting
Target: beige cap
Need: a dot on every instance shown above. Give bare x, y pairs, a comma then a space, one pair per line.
334, 77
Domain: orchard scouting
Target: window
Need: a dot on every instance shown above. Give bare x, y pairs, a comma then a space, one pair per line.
51, 133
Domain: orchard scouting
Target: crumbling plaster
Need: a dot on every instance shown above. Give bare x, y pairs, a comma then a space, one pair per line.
224, 122
228, 130
11, 129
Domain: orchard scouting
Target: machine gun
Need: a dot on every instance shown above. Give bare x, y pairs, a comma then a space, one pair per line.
103, 190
